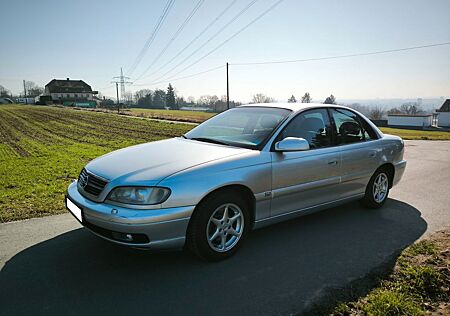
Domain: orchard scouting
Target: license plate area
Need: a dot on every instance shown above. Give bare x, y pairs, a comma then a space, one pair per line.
74, 209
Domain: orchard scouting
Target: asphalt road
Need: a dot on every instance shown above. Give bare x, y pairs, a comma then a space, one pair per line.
52, 266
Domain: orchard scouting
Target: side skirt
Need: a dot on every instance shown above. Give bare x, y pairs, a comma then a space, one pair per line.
305, 211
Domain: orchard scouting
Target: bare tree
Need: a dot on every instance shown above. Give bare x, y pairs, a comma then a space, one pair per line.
140, 94
191, 100
33, 90
394, 111
376, 113
306, 98
208, 101
410, 108
292, 99
262, 98
127, 98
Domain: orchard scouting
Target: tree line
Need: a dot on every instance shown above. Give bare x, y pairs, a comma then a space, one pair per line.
32, 89
162, 99
306, 98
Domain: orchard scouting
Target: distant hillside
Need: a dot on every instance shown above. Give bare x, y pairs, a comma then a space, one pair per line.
427, 104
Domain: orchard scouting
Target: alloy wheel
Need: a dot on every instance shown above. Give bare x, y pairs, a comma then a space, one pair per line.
225, 227
380, 187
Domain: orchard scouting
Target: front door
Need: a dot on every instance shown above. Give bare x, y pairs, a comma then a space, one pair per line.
308, 178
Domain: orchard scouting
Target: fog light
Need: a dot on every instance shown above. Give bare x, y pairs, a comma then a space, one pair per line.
122, 236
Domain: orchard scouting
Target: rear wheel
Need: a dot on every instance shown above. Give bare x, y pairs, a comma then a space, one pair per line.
218, 226
377, 190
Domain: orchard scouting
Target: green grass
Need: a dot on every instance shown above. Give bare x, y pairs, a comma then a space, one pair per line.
417, 134
175, 115
420, 282
43, 148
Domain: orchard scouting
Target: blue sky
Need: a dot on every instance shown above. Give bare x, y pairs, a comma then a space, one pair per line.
91, 40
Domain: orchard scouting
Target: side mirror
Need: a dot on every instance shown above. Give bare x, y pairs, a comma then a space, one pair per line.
292, 144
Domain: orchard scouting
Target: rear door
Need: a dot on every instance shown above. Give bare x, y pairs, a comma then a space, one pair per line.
304, 179
359, 151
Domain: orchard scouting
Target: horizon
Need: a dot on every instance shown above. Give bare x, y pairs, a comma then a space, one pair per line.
95, 49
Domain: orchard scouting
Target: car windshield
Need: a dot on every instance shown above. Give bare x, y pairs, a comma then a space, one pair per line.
246, 127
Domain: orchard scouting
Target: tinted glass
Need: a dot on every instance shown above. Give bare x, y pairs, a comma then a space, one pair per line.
348, 128
244, 126
312, 125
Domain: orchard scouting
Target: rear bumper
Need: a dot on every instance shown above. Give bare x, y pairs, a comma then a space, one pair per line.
153, 229
399, 170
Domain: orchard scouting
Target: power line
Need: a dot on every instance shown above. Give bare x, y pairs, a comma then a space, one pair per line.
180, 78
199, 35
231, 37
152, 37
179, 30
341, 56
210, 38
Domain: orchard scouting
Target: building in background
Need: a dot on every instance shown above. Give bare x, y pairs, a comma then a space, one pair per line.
71, 93
444, 114
416, 121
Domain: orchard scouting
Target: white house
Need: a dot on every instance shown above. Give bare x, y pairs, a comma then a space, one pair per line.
444, 114
410, 120
69, 90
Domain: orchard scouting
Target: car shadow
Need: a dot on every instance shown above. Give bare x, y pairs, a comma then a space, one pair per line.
280, 269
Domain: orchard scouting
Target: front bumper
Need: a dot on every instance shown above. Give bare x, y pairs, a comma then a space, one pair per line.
163, 228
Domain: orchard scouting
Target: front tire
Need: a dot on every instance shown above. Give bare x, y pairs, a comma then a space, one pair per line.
218, 226
377, 189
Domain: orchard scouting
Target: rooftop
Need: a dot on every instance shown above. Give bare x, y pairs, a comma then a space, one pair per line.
73, 86
293, 106
410, 115
445, 107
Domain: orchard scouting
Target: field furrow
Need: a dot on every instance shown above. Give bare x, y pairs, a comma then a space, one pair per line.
43, 148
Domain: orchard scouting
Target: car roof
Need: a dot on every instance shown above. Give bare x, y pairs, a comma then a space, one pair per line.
295, 107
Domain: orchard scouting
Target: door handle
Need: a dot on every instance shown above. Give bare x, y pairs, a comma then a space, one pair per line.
372, 154
333, 162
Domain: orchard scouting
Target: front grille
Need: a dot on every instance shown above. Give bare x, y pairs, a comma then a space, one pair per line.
90, 183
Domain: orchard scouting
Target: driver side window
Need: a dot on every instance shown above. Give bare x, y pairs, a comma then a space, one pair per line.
312, 125
348, 127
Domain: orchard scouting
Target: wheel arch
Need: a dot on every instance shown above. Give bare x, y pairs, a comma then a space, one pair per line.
390, 169
240, 189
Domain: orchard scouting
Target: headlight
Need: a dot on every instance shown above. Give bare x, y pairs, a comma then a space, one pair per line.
139, 195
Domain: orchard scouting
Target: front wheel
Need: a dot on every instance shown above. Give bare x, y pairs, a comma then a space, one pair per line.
218, 226
377, 190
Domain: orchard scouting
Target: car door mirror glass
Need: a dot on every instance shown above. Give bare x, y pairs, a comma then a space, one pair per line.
292, 144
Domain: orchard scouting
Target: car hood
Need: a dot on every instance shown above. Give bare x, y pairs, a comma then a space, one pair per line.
154, 161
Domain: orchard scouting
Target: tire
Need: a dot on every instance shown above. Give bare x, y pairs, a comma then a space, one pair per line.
218, 226
377, 190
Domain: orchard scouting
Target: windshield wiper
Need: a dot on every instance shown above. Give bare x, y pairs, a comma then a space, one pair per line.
208, 140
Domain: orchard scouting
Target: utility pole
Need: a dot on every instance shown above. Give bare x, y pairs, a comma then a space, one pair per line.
25, 92
118, 104
122, 81
228, 90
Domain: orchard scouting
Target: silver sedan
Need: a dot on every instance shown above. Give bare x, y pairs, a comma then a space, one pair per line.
245, 168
